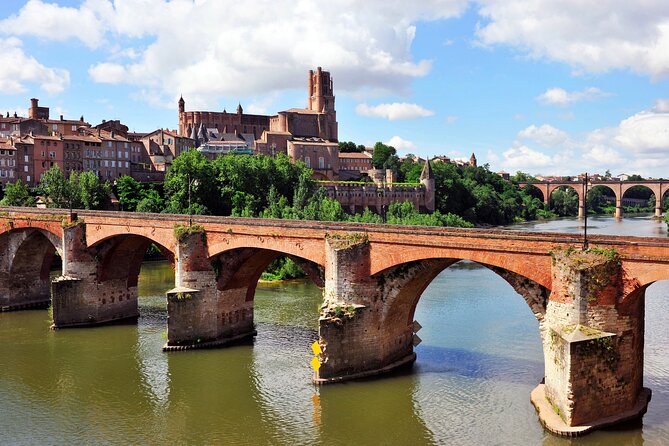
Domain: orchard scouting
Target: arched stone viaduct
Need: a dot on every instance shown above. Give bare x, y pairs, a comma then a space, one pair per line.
659, 188
590, 305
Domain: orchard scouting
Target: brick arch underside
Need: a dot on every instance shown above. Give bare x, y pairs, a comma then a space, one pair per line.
403, 285
553, 188
529, 186
27, 255
241, 268
121, 257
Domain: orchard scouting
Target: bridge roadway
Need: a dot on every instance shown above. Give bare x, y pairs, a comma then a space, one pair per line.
589, 304
658, 187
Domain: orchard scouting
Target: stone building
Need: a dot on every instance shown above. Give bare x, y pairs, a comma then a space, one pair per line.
8, 167
224, 122
308, 134
382, 191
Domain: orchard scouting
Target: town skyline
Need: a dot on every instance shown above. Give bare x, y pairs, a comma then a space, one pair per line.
540, 88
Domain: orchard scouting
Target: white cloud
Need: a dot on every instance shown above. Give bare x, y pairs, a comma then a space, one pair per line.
17, 68
402, 145
544, 135
638, 144
108, 73
394, 111
561, 97
209, 49
522, 157
58, 23
591, 35
451, 119
645, 133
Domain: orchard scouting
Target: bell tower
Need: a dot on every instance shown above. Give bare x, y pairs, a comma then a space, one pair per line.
321, 100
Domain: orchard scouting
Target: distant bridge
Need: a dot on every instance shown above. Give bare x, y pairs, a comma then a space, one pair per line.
658, 187
590, 306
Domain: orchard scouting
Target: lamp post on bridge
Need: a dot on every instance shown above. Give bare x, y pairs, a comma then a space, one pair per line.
585, 211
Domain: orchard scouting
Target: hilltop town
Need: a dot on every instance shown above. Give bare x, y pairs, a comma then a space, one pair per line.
30, 146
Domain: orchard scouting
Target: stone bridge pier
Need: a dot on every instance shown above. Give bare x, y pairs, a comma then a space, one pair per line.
97, 285
207, 307
593, 342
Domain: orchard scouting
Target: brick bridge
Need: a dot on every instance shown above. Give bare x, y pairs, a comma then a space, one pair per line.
658, 187
590, 306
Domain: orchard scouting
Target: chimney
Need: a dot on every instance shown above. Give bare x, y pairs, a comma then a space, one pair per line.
61, 117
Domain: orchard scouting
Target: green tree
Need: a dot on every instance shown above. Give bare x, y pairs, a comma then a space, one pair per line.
564, 201
17, 194
56, 189
350, 146
90, 191
192, 175
385, 157
131, 193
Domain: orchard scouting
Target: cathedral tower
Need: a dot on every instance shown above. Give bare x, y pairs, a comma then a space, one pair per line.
321, 100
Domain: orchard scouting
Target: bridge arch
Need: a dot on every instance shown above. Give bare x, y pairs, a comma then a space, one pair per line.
241, 268
120, 257
535, 268
25, 262
402, 287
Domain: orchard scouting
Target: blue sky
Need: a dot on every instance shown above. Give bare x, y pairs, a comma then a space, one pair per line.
546, 87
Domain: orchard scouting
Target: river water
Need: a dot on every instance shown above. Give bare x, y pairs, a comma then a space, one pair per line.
480, 358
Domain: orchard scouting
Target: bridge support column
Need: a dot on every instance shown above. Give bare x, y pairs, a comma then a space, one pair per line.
619, 208
199, 315
79, 298
581, 208
593, 346
353, 336
658, 207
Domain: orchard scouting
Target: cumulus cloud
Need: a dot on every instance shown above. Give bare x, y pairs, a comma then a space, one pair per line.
638, 144
109, 73
545, 135
402, 145
645, 133
561, 97
591, 35
17, 68
394, 111
207, 49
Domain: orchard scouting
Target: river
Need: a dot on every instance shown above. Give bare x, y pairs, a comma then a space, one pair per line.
480, 358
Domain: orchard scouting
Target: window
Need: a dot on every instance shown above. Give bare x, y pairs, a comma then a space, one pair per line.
28, 178
113, 163
52, 154
321, 162
120, 154
109, 143
126, 164
307, 161
25, 169
106, 163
